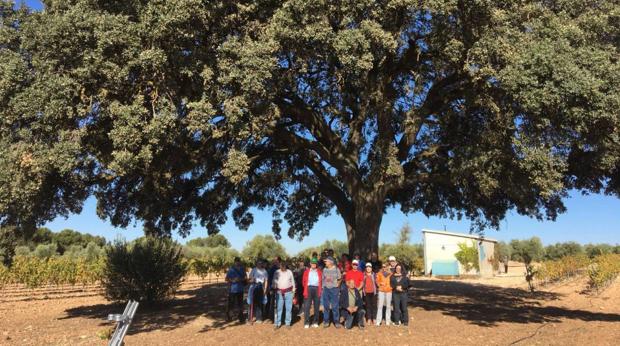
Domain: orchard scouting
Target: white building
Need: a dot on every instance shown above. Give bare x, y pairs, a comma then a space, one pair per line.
440, 247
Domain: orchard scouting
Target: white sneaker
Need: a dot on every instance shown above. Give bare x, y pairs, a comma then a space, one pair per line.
306, 326
388, 323
316, 325
377, 324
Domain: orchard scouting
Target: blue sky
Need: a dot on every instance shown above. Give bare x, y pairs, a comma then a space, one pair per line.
589, 219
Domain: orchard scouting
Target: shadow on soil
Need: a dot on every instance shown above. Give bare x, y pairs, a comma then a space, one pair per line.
209, 301
488, 305
478, 304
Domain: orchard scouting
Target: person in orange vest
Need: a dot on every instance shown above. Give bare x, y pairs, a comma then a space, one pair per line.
384, 297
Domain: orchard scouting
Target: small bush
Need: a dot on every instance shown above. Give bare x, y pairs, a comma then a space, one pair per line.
148, 270
468, 256
44, 251
604, 269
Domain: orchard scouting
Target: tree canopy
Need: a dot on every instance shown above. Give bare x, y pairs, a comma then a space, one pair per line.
210, 241
172, 112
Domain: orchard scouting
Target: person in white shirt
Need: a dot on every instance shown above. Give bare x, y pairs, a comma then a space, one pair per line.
284, 286
257, 292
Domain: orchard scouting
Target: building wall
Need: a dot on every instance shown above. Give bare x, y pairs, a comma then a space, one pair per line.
444, 246
486, 250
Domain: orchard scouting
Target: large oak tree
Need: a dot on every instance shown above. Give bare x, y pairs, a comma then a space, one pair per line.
172, 112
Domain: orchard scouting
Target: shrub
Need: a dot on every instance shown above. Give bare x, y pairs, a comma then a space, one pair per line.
409, 255
148, 270
604, 269
468, 256
44, 251
561, 269
263, 246
5, 276
22, 251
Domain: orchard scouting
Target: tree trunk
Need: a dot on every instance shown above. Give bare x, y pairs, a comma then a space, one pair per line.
363, 232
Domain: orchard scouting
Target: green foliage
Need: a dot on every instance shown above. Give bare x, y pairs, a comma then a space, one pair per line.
210, 241
527, 250
468, 256
148, 270
504, 251
172, 111
23, 251
44, 251
560, 250
8, 242
67, 238
263, 246
339, 247
603, 271
594, 250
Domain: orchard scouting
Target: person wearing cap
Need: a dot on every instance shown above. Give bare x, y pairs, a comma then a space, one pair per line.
355, 274
392, 262
331, 277
312, 282
284, 286
369, 290
384, 297
236, 279
351, 305
361, 266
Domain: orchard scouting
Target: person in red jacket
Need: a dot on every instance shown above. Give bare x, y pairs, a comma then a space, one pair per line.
355, 274
312, 282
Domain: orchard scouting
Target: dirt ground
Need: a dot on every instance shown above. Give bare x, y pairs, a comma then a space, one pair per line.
495, 311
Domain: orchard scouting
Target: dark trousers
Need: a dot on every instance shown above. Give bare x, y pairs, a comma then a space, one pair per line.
350, 317
370, 300
258, 308
313, 299
400, 307
236, 303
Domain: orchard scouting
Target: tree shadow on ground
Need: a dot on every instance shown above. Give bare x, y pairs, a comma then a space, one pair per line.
487, 306
188, 305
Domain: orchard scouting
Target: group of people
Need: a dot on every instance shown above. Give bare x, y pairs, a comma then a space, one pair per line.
350, 291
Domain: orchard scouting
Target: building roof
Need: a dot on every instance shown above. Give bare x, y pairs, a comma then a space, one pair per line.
462, 235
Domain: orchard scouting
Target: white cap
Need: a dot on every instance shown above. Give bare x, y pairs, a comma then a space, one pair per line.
356, 262
392, 258
369, 264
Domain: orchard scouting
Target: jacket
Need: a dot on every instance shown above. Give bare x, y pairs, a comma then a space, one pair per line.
344, 298
374, 283
404, 283
305, 281
384, 282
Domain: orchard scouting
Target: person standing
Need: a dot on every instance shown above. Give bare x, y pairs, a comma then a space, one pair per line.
257, 292
351, 305
384, 295
271, 301
312, 284
376, 263
369, 289
331, 283
284, 286
236, 279
400, 285
361, 266
298, 274
355, 274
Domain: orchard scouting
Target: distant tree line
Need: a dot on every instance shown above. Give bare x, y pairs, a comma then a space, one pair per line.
532, 250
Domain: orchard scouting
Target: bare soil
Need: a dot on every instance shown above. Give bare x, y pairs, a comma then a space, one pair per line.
498, 311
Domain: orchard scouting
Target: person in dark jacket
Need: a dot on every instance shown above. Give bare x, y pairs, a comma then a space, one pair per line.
351, 305
400, 286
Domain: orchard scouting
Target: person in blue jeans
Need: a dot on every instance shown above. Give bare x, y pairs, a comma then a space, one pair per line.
284, 286
236, 278
331, 277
